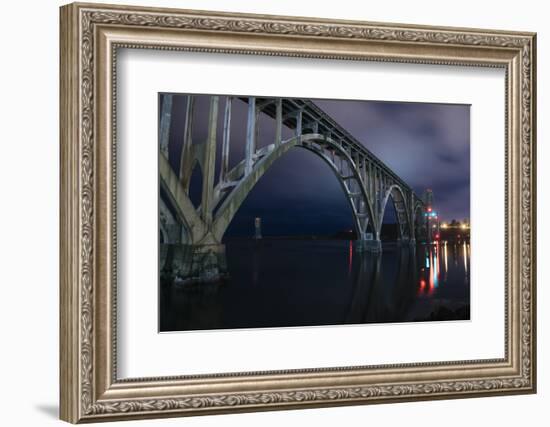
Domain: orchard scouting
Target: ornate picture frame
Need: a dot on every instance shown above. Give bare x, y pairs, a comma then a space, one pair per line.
90, 37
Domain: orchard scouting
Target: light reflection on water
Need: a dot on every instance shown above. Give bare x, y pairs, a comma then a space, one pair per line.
278, 283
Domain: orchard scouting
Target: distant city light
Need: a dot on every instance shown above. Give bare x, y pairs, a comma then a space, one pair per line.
444, 225
429, 208
464, 226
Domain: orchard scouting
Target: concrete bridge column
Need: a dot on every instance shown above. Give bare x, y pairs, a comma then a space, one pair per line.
279, 122
250, 147
209, 163
226, 139
200, 257
165, 120
187, 155
299, 123
369, 245
206, 262
369, 242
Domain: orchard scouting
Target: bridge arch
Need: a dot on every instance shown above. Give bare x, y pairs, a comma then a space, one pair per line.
363, 177
316, 143
395, 192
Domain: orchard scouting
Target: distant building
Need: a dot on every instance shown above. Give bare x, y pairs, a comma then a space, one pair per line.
455, 231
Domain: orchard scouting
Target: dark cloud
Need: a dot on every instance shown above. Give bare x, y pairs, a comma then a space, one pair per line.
428, 145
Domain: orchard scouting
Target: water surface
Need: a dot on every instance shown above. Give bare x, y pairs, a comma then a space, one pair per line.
280, 283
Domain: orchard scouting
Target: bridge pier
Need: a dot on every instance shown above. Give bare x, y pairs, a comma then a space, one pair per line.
368, 245
405, 241
183, 265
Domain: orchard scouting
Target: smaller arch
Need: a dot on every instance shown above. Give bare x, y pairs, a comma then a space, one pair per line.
362, 213
403, 217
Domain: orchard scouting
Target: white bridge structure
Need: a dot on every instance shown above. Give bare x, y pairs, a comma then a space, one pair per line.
367, 182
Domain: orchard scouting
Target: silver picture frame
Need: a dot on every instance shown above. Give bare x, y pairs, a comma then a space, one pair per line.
90, 37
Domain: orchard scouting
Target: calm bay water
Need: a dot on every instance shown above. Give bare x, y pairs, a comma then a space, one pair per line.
278, 283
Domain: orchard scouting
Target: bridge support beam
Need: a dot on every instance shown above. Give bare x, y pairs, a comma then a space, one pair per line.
209, 163
166, 117
226, 139
187, 157
279, 122
250, 148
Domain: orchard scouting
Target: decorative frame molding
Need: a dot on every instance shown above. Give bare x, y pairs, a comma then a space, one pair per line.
90, 36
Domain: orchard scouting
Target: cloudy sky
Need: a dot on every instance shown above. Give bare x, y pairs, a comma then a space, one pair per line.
427, 145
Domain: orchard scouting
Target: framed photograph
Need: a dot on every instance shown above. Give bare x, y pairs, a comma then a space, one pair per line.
268, 212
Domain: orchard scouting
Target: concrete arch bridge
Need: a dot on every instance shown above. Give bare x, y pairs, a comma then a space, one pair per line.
366, 181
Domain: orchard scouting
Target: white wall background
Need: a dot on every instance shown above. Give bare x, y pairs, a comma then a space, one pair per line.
29, 171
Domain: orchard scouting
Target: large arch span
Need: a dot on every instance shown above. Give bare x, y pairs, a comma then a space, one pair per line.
331, 153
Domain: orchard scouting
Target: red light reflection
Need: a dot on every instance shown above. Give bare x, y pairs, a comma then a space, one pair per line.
350, 256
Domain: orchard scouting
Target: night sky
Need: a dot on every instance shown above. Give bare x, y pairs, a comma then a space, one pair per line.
427, 145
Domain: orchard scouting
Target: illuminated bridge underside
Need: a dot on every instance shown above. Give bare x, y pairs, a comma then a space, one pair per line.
366, 181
